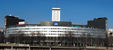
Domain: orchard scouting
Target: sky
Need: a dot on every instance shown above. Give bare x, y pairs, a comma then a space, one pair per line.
77, 11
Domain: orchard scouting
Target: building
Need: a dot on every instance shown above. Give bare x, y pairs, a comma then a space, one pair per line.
12, 20
110, 32
55, 14
99, 23
57, 33
1, 36
110, 37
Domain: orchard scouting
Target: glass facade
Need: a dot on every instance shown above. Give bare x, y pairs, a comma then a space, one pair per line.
56, 35
56, 31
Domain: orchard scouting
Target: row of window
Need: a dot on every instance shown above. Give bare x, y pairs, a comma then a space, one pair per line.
48, 28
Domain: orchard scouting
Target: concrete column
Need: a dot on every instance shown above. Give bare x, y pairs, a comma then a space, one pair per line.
50, 48
11, 47
29, 48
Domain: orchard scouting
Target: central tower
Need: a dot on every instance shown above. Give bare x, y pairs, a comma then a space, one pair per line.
55, 14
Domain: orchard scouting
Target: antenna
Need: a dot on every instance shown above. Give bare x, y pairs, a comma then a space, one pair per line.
56, 4
10, 11
9, 14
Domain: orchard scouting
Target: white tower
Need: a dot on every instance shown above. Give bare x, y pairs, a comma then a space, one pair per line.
55, 14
